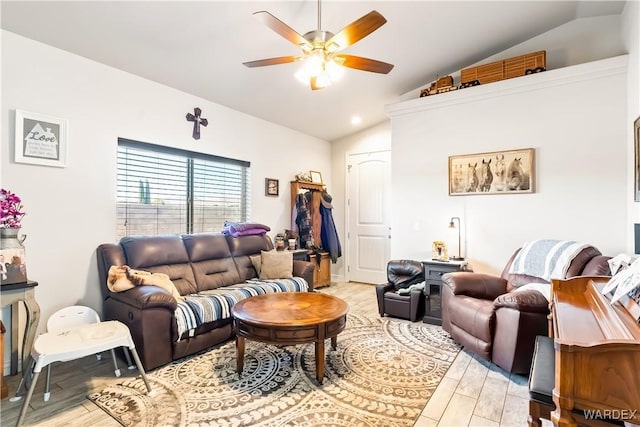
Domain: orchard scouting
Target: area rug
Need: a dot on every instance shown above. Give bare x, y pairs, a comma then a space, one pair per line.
382, 374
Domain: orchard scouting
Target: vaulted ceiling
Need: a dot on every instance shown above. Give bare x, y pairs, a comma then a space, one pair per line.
199, 47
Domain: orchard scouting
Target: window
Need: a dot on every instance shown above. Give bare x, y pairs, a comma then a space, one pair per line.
166, 190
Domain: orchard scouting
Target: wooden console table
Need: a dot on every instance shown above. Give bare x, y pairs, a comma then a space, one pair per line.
12, 295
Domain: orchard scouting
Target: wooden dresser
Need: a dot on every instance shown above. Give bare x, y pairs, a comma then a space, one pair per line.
597, 353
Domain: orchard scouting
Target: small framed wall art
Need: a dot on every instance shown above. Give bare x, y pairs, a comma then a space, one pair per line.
40, 139
316, 177
271, 187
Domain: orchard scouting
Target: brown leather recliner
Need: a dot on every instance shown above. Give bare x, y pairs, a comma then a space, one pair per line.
484, 314
401, 274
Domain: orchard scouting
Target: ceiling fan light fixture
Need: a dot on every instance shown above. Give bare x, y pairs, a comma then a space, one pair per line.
322, 63
322, 72
334, 69
321, 81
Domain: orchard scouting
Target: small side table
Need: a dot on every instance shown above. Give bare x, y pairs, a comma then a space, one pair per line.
433, 272
12, 295
322, 263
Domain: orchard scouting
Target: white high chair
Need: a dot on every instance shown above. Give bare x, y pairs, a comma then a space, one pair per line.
72, 335
69, 317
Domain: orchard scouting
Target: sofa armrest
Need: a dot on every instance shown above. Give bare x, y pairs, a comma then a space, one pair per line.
143, 297
527, 301
476, 285
305, 270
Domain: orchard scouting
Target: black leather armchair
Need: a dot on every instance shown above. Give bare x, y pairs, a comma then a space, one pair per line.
401, 274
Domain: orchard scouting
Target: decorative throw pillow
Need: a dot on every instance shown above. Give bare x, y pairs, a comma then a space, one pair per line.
256, 260
276, 265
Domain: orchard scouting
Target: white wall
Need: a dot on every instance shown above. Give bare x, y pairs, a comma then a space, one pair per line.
573, 117
631, 36
71, 210
581, 40
576, 42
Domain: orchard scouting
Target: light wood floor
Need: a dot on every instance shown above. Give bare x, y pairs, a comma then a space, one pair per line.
473, 393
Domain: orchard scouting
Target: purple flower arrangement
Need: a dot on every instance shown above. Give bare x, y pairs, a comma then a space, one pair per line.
10, 209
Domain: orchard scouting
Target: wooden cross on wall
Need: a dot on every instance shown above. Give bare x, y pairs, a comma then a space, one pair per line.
197, 122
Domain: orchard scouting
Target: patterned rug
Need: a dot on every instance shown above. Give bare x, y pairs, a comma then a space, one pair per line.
382, 374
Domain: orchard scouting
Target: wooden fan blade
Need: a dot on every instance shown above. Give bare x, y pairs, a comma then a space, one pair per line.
271, 61
283, 29
364, 64
355, 31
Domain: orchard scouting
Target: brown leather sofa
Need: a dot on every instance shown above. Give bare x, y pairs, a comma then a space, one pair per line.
193, 262
485, 314
401, 274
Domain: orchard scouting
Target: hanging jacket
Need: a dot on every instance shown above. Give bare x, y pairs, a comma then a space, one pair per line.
328, 233
303, 220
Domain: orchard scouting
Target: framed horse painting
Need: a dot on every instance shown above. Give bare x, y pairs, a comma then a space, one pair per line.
636, 139
497, 172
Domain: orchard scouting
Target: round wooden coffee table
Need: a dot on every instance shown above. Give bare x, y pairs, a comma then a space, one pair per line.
288, 318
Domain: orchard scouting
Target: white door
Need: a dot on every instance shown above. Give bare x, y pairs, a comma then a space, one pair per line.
369, 216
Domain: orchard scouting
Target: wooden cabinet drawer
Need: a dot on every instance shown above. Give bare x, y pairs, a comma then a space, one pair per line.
334, 328
436, 273
294, 334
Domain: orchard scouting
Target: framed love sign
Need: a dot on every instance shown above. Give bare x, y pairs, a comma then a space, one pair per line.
40, 139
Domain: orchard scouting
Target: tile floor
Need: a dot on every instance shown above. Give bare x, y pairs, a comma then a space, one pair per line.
475, 392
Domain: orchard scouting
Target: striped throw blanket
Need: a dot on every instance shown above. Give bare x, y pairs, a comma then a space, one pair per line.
546, 259
209, 306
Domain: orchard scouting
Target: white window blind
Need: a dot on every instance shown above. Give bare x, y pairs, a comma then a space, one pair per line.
166, 190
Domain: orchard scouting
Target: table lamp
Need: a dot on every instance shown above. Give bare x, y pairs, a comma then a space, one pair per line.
452, 224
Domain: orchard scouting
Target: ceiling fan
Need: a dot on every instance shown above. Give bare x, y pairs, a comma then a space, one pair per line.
323, 62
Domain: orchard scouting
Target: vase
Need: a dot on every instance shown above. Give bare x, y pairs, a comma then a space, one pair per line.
13, 268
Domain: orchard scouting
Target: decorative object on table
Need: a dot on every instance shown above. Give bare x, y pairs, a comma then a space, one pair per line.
316, 177
291, 244
40, 139
636, 138
452, 224
498, 172
323, 64
13, 268
291, 235
439, 250
530, 63
197, 122
271, 187
279, 241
